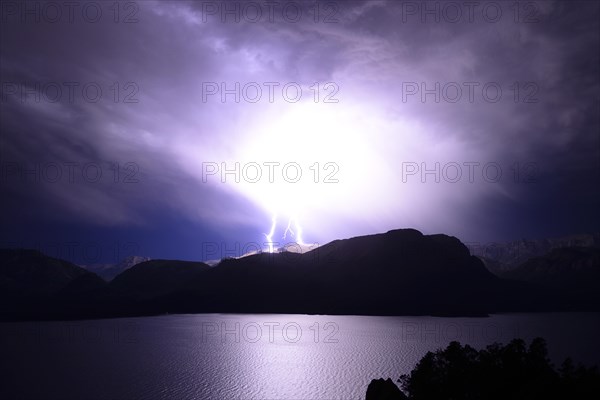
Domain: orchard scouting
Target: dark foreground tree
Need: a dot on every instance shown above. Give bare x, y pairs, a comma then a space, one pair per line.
513, 371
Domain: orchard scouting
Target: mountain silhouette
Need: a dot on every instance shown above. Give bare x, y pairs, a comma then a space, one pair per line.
572, 272
33, 284
401, 272
157, 277
29, 272
109, 271
500, 258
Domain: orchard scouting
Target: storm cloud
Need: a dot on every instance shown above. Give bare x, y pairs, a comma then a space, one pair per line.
479, 120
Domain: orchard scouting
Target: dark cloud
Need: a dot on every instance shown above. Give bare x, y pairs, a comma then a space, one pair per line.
548, 150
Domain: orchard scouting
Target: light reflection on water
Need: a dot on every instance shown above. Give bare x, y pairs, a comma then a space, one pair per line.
254, 356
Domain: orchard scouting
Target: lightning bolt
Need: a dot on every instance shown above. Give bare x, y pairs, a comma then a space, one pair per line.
288, 229
271, 233
297, 234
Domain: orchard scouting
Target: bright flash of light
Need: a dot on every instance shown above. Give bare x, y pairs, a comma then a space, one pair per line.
370, 143
297, 234
310, 135
269, 236
288, 229
352, 137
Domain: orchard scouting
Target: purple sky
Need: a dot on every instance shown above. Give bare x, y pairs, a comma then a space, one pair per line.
161, 118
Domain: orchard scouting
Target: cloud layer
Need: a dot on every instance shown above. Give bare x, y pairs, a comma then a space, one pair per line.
157, 125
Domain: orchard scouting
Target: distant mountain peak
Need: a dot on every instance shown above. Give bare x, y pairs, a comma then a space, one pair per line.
130, 261
109, 271
500, 258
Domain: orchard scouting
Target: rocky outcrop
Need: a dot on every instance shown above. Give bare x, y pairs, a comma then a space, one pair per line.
384, 389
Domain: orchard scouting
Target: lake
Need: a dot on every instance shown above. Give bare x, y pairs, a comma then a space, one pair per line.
275, 356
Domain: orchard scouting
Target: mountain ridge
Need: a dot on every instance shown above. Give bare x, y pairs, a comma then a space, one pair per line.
400, 272
500, 257
109, 271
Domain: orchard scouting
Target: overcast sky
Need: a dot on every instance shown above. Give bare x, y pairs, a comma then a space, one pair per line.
475, 119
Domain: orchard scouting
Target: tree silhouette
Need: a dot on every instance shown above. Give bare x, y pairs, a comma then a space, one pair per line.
513, 371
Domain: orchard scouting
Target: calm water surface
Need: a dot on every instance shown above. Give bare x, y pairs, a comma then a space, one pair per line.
253, 356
